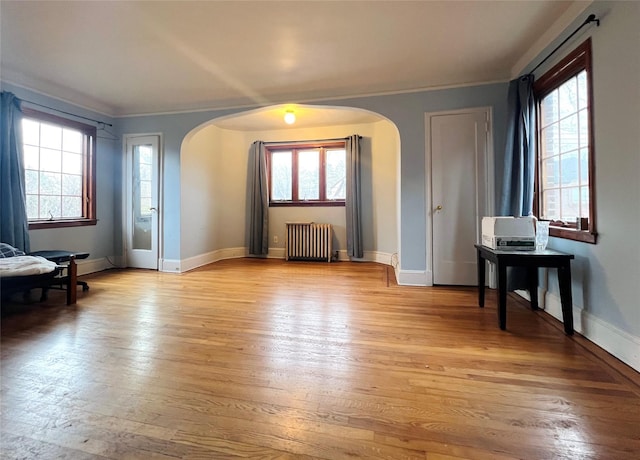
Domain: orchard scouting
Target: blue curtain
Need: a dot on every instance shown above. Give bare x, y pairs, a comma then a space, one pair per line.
259, 212
519, 162
520, 150
353, 203
14, 227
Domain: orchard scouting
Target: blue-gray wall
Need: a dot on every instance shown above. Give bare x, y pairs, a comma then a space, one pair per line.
99, 240
606, 275
405, 110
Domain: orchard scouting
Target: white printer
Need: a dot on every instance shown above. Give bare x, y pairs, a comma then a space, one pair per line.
509, 233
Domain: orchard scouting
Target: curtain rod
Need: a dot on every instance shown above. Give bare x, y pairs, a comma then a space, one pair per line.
306, 141
67, 113
591, 18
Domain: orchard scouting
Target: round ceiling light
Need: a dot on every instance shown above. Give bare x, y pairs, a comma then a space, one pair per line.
289, 117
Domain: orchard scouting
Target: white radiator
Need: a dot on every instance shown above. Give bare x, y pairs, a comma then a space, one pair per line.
308, 241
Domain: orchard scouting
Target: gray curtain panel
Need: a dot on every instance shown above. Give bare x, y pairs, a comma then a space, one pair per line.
259, 224
14, 227
519, 161
353, 203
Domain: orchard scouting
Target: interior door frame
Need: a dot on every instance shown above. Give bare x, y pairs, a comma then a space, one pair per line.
125, 187
488, 170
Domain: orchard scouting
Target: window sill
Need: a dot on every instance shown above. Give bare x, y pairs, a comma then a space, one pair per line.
569, 233
275, 204
40, 224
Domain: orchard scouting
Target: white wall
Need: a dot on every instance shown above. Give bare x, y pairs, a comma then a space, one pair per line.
214, 168
198, 192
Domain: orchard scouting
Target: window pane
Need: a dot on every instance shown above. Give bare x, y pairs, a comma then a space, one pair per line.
31, 181
550, 108
281, 176
146, 153
50, 206
145, 206
71, 206
30, 132
71, 141
550, 141
32, 206
584, 198
31, 157
568, 93
551, 172
50, 183
570, 204
551, 204
569, 133
71, 163
584, 127
336, 174
71, 184
308, 175
50, 136
583, 94
145, 172
145, 188
584, 167
569, 169
50, 160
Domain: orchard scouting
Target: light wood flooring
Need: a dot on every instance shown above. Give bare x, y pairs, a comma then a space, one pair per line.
270, 359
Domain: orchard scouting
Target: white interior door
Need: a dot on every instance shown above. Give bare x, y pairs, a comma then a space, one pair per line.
141, 195
459, 192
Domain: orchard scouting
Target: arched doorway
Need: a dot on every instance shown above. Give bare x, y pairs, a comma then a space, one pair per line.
214, 180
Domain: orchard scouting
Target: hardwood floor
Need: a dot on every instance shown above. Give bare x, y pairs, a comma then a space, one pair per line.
271, 359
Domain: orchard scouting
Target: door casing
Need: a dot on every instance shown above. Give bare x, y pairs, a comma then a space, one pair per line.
126, 141
487, 172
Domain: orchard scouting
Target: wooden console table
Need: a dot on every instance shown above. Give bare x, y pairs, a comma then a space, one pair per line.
531, 260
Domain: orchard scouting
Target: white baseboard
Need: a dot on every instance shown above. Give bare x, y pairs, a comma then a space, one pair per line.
211, 257
175, 266
368, 256
619, 343
86, 266
276, 253
412, 278
170, 266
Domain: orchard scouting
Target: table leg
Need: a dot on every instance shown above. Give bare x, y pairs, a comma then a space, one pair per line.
564, 282
502, 295
532, 277
481, 275
72, 281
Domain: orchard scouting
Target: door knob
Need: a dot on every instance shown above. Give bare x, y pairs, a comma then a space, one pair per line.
439, 208
153, 209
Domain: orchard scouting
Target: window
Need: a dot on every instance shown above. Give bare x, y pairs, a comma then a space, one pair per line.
565, 179
307, 174
59, 170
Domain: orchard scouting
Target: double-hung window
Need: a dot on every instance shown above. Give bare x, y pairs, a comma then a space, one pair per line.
59, 163
565, 177
307, 174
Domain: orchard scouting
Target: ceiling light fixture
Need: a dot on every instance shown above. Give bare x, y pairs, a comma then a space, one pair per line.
289, 117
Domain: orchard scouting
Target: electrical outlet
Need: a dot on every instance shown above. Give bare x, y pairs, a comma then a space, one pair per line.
275, 238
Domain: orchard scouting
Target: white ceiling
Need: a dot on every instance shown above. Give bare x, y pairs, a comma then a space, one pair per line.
124, 58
